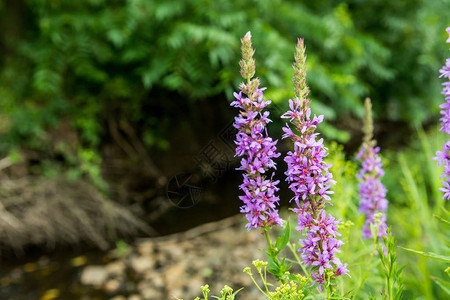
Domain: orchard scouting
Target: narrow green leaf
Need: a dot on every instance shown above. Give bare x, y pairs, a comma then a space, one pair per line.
442, 219
234, 294
273, 265
347, 294
430, 255
282, 241
445, 285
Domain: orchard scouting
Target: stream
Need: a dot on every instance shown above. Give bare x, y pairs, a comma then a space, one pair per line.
49, 276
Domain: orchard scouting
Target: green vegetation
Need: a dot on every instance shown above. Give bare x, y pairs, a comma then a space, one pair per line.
76, 70
416, 215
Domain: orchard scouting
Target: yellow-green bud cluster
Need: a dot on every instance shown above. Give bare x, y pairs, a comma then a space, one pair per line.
259, 265
368, 124
226, 290
248, 271
247, 63
301, 90
287, 291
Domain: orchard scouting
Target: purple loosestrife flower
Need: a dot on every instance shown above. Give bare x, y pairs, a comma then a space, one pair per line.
255, 147
443, 157
372, 192
310, 180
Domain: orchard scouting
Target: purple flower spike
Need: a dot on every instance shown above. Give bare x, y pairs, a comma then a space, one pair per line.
448, 31
255, 147
310, 180
372, 192
443, 157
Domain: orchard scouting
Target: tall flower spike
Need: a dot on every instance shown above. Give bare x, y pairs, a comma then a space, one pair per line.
255, 147
372, 192
443, 157
310, 180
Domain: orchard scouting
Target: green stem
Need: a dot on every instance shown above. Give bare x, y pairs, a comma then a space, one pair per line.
341, 285
389, 279
257, 285
368, 265
264, 279
294, 251
386, 265
390, 289
266, 232
269, 244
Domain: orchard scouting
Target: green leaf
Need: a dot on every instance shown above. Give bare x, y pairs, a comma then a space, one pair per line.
294, 278
273, 265
442, 219
431, 255
234, 294
445, 285
282, 241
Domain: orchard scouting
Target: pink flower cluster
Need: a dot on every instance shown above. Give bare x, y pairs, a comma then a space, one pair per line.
255, 147
258, 151
372, 192
443, 157
310, 180
308, 174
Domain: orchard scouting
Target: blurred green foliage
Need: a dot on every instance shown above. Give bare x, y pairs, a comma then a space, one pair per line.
89, 61
415, 213
412, 180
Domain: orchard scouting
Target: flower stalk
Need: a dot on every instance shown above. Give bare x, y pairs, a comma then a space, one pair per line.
372, 192
255, 147
310, 180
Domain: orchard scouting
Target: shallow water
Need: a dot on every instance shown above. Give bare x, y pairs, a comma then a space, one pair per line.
46, 277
